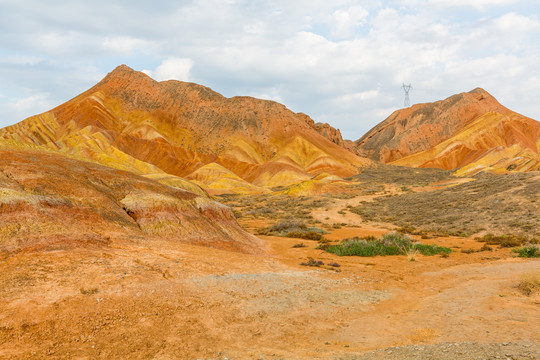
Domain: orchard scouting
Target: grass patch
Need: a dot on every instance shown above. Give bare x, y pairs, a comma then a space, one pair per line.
430, 250
528, 251
389, 244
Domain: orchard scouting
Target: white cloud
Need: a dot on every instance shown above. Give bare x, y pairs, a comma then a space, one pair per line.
478, 4
324, 58
22, 108
345, 21
172, 69
515, 23
359, 96
272, 94
21, 60
124, 45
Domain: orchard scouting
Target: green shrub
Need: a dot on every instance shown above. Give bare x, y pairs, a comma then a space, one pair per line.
396, 239
357, 247
389, 244
430, 250
528, 251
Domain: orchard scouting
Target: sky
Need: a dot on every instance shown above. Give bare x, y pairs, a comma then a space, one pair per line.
342, 62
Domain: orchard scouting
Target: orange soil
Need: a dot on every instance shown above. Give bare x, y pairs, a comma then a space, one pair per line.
171, 300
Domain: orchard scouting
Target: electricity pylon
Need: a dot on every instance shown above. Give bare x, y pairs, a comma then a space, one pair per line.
406, 89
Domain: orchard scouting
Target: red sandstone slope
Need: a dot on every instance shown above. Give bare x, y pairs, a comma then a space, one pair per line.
132, 122
466, 130
48, 201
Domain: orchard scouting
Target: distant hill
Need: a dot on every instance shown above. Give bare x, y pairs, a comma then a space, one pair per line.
470, 131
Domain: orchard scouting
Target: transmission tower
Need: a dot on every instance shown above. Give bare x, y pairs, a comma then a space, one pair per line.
406, 89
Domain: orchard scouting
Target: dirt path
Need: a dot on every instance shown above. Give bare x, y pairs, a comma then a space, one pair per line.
451, 351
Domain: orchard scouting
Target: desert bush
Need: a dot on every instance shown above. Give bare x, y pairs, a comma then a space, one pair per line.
504, 241
308, 235
396, 239
89, 291
389, 244
360, 247
530, 282
486, 247
411, 253
294, 229
430, 250
528, 251
299, 245
312, 262
323, 246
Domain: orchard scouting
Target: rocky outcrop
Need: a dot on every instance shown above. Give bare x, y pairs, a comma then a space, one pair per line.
334, 135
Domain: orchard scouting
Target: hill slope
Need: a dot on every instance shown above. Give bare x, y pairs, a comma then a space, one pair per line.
49, 201
131, 122
469, 130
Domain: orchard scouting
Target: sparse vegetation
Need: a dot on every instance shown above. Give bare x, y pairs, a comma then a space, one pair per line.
299, 245
293, 229
506, 241
501, 203
401, 176
389, 244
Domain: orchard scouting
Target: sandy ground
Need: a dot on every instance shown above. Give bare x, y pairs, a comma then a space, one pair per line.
163, 300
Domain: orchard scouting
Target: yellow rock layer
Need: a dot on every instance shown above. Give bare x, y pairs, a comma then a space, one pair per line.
493, 142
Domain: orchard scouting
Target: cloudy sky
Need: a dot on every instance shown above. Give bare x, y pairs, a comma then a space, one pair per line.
341, 62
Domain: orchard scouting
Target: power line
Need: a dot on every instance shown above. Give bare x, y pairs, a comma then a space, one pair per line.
406, 89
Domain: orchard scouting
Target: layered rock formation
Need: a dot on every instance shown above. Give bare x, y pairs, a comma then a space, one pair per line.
131, 122
469, 131
49, 201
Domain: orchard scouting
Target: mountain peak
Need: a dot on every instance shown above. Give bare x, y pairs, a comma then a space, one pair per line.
125, 72
478, 90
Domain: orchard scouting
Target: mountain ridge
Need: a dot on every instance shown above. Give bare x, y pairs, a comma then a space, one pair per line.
441, 135
131, 121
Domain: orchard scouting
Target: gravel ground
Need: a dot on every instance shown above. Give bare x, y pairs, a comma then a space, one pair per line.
465, 351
